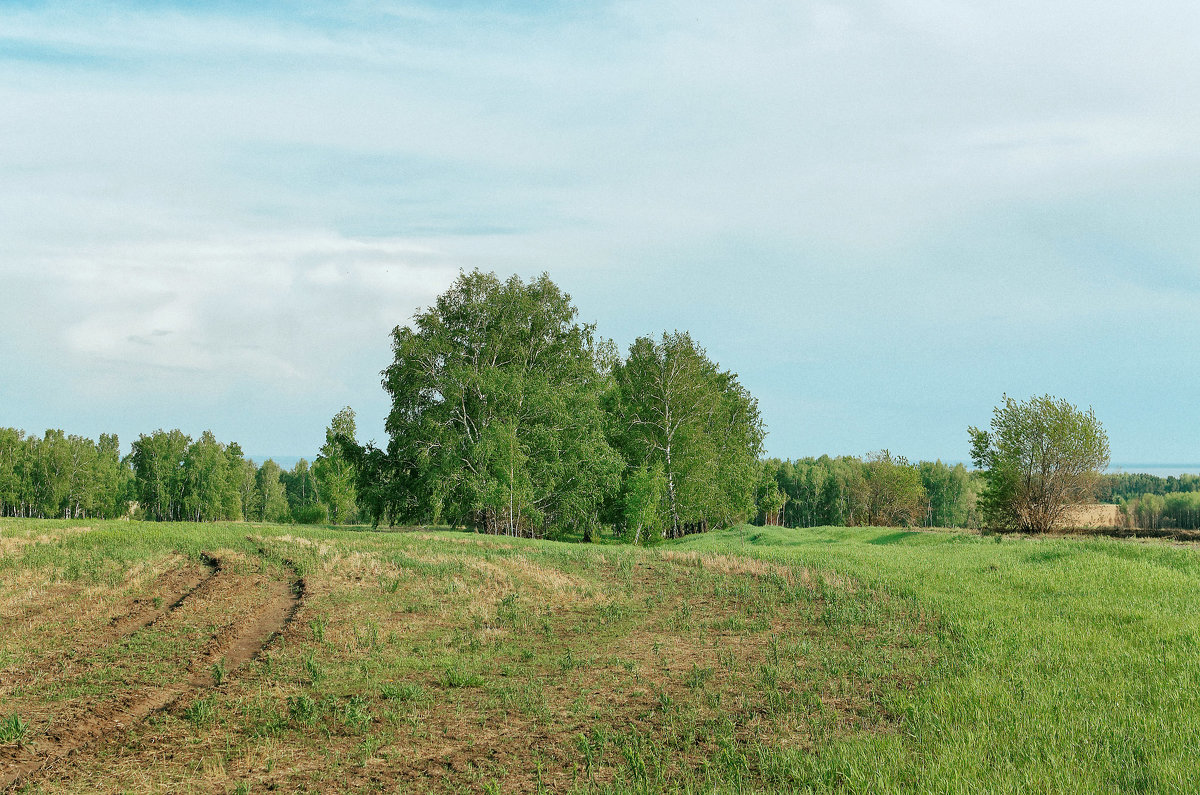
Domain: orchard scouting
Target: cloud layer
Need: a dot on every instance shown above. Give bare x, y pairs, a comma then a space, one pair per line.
883, 214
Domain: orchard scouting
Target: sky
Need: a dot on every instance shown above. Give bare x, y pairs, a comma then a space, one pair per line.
883, 215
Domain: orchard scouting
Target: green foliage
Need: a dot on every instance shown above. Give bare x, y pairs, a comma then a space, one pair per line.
56, 475
675, 410
158, 473
334, 470
1039, 458
270, 497
496, 418
894, 494
769, 498
880, 490
951, 493
206, 480
642, 504
1172, 511
1128, 485
315, 513
167, 475
304, 503
176, 479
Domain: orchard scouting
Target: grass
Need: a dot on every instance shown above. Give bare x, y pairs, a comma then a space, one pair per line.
1074, 664
13, 730
754, 659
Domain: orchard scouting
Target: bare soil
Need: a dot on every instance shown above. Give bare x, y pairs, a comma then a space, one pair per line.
256, 608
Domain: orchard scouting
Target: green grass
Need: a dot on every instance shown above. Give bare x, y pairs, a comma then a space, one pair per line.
1077, 665
753, 659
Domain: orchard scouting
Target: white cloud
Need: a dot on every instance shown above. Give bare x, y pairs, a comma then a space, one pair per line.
250, 201
270, 309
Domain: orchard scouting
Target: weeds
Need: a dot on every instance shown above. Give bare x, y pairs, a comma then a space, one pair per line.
401, 692
356, 712
313, 669
317, 625
201, 711
302, 709
698, 677
457, 677
13, 730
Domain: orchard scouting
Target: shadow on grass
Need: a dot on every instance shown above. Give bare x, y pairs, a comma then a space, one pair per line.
892, 538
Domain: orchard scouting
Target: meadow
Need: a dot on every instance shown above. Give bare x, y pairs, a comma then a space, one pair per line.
147, 657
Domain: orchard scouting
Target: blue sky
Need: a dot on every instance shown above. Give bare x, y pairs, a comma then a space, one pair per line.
882, 214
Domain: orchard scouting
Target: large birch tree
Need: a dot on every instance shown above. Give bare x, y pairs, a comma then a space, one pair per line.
677, 412
496, 419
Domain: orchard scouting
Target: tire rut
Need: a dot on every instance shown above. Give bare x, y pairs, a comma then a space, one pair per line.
174, 589
237, 644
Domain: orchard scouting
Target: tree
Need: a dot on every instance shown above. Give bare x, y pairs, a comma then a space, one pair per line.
112, 478
893, 492
239, 483
159, 474
302, 494
270, 497
12, 456
334, 470
206, 480
950, 492
496, 418
642, 503
676, 410
1039, 458
770, 499
831, 503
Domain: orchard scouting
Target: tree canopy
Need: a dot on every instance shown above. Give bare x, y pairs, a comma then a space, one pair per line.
1039, 458
511, 416
496, 418
334, 470
678, 413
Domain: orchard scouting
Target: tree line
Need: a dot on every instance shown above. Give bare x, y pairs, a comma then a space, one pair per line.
1120, 486
1178, 510
881, 489
56, 475
510, 416
1151, 502
168, 476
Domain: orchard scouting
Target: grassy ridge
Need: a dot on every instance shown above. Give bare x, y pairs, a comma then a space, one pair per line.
754, 659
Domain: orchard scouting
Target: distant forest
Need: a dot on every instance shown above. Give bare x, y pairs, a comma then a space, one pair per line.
167, 476
882, 489
509, 416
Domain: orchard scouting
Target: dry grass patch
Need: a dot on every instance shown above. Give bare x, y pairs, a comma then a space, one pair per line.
424, 665
539, 671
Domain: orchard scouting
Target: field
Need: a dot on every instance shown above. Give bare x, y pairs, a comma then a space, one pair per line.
252, 658
1093, 516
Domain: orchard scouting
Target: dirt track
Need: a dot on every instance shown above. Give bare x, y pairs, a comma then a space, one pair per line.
257, 607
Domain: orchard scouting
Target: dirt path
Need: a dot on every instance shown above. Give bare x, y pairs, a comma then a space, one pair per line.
170, 591
273, 605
